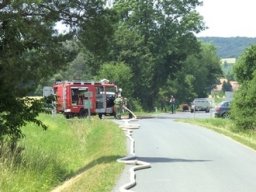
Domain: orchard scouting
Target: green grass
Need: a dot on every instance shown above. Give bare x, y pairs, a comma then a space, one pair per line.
226, 127
68, 148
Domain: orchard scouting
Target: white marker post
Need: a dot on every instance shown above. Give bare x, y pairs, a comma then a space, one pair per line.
87, 102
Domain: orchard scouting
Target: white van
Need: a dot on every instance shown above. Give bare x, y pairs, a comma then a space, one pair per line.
201, 104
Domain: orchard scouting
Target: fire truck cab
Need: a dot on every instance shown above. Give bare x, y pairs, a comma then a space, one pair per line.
80, 98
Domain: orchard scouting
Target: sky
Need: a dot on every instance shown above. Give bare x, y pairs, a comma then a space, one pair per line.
229, 18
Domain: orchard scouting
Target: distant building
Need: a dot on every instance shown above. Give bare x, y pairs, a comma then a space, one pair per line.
228, 60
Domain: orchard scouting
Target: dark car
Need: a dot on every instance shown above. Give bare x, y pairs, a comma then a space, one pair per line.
222, 109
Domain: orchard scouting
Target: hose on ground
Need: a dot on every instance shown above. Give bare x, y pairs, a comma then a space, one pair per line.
131, 159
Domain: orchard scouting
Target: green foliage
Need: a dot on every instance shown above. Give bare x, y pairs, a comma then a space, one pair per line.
78, 69
244, 103
29, 51
153, 38
208, 70
135, 105
196, 78
246, 65
32, 50
65, 150
95, 33
230, 75
14, 114
129, 48
243, 106
120, 74
228, 71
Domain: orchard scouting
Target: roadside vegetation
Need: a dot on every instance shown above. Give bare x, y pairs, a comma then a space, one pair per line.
45, 159
242, 124
244, 103
145, 51
227, 127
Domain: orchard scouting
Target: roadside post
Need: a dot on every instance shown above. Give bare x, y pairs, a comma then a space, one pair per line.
87, 102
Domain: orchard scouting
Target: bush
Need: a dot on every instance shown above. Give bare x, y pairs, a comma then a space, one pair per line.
135, 105
243, 106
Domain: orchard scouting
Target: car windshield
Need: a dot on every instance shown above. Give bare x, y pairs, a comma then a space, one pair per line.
225, 103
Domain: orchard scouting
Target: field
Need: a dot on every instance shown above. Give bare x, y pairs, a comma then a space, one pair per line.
78, 148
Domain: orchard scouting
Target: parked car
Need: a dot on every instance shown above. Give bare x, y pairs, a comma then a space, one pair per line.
201, 104
222, 109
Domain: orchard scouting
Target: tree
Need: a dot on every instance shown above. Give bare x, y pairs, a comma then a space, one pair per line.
246, 65
230, 76
209, 70
80, 68
31, 49
199, 74
153, 38
120, 74
243, 105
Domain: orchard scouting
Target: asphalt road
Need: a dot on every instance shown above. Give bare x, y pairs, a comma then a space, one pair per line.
188, 158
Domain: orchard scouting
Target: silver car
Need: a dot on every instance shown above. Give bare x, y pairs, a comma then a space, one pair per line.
201, 104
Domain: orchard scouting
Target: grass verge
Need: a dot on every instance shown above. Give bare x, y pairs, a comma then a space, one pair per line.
226, 127
68, 148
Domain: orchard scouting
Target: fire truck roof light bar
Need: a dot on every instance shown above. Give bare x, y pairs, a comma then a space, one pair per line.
102, 82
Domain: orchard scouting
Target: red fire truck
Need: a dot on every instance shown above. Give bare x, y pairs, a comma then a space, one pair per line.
82, 98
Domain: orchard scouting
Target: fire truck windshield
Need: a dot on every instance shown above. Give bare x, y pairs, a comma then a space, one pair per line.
111, 90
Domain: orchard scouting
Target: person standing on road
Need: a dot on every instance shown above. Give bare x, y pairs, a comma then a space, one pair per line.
172, 102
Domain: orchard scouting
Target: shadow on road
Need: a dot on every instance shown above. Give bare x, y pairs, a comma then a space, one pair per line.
169, 160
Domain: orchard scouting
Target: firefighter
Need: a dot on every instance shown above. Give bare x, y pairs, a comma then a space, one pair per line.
118, 106
172, 102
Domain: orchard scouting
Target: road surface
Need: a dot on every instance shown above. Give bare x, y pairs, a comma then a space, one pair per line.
188, 158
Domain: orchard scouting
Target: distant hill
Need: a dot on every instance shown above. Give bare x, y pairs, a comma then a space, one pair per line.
229, 47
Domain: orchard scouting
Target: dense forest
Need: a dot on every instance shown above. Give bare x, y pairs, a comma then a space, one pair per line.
229, 47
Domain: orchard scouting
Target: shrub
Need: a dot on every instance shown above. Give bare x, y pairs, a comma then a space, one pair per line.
243, 106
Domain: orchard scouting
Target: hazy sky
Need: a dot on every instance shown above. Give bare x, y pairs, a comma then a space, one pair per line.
229, 18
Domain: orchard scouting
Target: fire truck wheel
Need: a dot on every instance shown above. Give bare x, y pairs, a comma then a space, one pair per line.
83, 113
